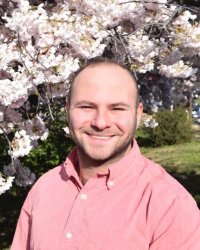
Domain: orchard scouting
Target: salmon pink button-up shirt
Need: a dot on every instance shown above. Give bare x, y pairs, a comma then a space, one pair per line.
136, 205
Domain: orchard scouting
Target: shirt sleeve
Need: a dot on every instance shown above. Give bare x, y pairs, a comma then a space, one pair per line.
179, 227
22, 233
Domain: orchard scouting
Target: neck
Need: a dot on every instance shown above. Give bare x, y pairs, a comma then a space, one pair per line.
89, 167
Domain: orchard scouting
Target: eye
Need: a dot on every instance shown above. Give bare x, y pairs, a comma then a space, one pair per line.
118, 109
86, 107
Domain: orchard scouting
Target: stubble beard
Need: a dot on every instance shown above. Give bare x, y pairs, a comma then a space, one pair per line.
114, 156
117, 153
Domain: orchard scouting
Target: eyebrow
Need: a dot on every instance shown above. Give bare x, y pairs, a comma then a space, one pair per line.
117, 104
83, 102
120, 104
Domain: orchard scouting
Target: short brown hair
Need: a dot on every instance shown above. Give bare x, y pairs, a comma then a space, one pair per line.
97, 61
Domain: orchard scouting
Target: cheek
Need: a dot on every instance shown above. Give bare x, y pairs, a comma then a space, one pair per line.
127, 125
78, 119
128, 119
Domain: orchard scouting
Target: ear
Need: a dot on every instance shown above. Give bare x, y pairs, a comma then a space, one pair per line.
67, 109
139, 114
67, 105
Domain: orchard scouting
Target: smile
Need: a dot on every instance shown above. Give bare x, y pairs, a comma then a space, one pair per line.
101, 137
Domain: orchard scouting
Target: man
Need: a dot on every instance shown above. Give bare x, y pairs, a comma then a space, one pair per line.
107, 196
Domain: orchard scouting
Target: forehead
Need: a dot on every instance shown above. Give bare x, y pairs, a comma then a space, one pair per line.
104, 79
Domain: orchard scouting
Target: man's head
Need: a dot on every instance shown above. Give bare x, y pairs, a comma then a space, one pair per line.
103, 111
98, 61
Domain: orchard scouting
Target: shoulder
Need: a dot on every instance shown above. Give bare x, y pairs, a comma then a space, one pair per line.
167, 195
50, 177
160, 180
49, 181
170, 206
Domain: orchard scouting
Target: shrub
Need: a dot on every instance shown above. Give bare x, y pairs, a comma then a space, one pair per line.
50, 152
174, 127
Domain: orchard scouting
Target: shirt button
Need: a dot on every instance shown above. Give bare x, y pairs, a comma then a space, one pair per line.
84, 196
110, 183
68, 235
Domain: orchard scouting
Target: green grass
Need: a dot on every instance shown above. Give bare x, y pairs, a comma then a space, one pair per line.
182, 157
181, 161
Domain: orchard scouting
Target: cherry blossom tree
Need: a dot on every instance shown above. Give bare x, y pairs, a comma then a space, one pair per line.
42, 43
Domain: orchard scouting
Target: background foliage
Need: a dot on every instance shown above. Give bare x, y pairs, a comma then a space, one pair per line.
174, 127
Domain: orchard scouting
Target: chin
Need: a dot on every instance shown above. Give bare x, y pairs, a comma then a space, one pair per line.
98, 157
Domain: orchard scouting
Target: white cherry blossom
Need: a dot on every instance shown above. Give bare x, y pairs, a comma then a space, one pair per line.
178, 69
5, 183
20, 145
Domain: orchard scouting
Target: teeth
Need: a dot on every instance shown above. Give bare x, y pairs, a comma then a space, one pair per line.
100, 137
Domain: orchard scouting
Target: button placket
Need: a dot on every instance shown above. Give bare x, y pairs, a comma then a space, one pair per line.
76, 212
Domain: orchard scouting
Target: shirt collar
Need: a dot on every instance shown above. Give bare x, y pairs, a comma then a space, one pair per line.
132, 162
71, 166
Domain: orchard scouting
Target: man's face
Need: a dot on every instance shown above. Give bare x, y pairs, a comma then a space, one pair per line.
102, 113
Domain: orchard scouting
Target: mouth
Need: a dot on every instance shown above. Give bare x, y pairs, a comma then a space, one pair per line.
99, 137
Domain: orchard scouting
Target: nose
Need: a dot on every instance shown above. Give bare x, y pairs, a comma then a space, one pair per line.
101, 120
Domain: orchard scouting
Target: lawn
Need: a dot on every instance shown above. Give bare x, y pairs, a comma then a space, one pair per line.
182, 161
182, 158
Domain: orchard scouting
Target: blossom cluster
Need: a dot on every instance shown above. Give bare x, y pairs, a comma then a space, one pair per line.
42, 45
5, 183
150, 122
